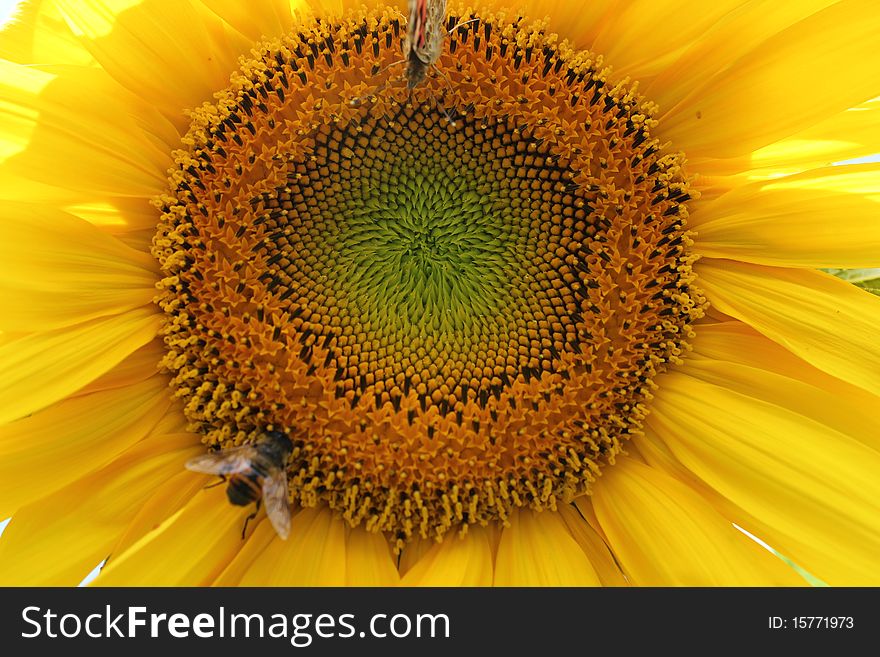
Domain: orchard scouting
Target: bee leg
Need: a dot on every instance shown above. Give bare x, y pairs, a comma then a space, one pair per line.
442, 109
222, 481
249, 518
445, 78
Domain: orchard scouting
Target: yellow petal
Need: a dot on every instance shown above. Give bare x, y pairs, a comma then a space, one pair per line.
138, 366
191, 548
736, 342
166, 500
809, 482
736, 357
144, 45
579, 23
313, 555
584, 505
120, 216
255, 20
850, 134
37, 34
413, 552
114, 215
51, 449
106, 149
538, 550
658, 456
666, 535
817, 67
824, 320
639, 38
369, 560
251, 550
57, 270
58, 539
42, 368
456, 561
740, 31
174, 421
593, 546
790, 222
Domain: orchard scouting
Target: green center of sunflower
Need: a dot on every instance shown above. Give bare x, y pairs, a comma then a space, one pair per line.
449, 318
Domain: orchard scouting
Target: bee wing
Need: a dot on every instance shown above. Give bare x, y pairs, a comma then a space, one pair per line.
413, 26
228, 461
275, 499
437, 14
435, 31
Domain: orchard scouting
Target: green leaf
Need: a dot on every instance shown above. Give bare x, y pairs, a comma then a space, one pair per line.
867, 279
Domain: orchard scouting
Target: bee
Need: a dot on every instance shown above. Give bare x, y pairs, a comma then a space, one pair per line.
255, 473
424, 38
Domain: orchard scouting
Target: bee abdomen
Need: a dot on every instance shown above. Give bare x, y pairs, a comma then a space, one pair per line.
243, 490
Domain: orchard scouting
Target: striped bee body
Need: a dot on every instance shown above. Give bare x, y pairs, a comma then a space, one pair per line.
254, 474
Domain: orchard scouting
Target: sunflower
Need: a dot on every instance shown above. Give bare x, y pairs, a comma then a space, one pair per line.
554, 315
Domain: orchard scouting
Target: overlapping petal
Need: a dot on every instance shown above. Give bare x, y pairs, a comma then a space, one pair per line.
821, 218
666, 535
813, 69
86, 517
825, 321
810, 482
538, 550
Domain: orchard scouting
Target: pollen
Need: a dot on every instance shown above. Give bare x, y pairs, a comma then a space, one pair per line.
454, 299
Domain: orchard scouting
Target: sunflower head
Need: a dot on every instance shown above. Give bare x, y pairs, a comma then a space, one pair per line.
454, 302
509, 336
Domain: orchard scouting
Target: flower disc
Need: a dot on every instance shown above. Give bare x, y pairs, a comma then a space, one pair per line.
454, 301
